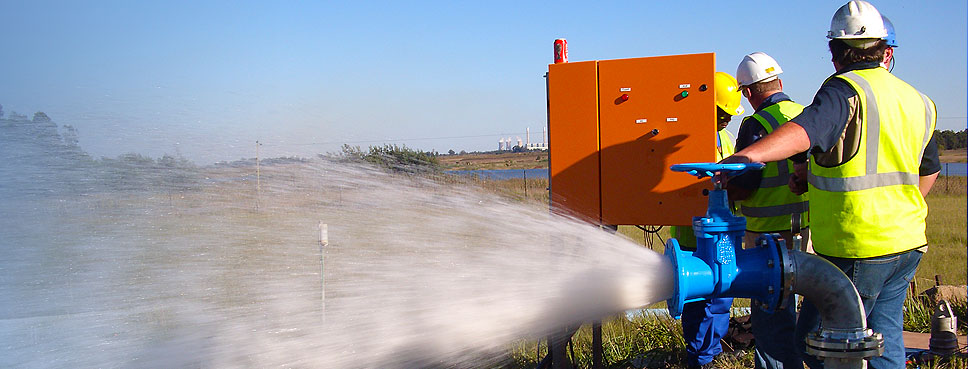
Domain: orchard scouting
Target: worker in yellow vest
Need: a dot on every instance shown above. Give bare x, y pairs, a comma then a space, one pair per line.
874, 159
767, 202
704, 323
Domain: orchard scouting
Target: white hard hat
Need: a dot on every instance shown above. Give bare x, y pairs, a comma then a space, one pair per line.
890, 38
858, 23
757, 67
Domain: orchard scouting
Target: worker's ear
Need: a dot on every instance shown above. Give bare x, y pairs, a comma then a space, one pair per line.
781, 83
745, 91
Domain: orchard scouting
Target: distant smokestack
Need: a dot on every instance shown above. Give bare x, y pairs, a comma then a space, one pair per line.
528, 136
500, 144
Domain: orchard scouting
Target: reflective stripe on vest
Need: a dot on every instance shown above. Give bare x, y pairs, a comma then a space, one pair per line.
782, 169
871, 205
769, 207
724, 144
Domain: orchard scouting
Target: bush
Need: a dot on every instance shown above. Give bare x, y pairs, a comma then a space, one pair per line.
393, 157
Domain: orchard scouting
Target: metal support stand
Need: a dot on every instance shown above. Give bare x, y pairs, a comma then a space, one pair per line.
598, 350
558, 350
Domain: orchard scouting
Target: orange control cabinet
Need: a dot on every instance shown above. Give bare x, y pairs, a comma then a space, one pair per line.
615, 127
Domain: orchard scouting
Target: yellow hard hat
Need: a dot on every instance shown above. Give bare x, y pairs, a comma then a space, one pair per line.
728, 96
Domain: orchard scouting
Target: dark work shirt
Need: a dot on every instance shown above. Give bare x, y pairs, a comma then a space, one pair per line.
749, 132
826, 118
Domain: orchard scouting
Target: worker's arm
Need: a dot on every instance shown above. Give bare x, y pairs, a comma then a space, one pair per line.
930, 166
926, 182
788, 140
743, 185
798, 181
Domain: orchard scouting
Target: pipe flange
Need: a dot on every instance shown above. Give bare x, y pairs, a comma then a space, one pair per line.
789, 276
845, 344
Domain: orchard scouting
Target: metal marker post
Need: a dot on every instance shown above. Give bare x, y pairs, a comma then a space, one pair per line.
525, 171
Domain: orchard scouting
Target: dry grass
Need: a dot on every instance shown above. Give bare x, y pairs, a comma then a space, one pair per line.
954, 156
946, 234
508, 160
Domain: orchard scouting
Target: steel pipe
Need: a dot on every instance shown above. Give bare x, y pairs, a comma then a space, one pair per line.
843, 340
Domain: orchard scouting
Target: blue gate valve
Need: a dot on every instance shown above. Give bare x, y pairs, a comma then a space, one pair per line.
720, 266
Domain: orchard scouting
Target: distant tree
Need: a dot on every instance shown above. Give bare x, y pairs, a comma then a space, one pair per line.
19, 117
393, 157
451, 152
169, 161
949, 140
518, 148
41, 117
70, 135
135, 159
462, 152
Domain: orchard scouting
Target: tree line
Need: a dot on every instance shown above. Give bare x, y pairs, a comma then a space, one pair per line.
949, 140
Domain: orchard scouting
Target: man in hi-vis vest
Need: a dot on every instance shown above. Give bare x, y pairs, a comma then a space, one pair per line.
874, 160
767, 202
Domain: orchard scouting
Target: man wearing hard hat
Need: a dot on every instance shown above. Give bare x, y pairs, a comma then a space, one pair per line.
874, 160
767, 202
704, 323
891, 39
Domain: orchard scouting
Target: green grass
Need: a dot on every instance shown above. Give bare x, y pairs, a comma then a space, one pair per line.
627, 343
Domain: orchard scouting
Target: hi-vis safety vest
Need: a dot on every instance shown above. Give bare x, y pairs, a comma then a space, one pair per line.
769, 207
870, 205
724, 145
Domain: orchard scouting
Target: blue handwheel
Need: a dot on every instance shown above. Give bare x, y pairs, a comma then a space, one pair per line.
702, 170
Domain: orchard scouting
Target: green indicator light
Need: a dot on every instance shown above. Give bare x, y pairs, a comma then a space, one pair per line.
684, 94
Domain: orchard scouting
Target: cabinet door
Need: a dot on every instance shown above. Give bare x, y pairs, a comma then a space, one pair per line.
655, 112
573, 139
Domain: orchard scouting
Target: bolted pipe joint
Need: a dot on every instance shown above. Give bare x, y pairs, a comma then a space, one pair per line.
843, 340
845, 348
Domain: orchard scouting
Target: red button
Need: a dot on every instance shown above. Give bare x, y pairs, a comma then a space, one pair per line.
625, 97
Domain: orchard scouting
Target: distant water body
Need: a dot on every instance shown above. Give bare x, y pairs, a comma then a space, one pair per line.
954, 169
504, 173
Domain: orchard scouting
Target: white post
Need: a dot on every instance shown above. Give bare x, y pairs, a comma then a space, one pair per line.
258, 176
323, 242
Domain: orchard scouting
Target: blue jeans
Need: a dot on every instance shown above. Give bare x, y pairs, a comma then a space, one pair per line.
882, 283
704, 323
774, 338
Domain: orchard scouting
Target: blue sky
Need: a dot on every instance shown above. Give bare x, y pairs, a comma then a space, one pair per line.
208, 79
